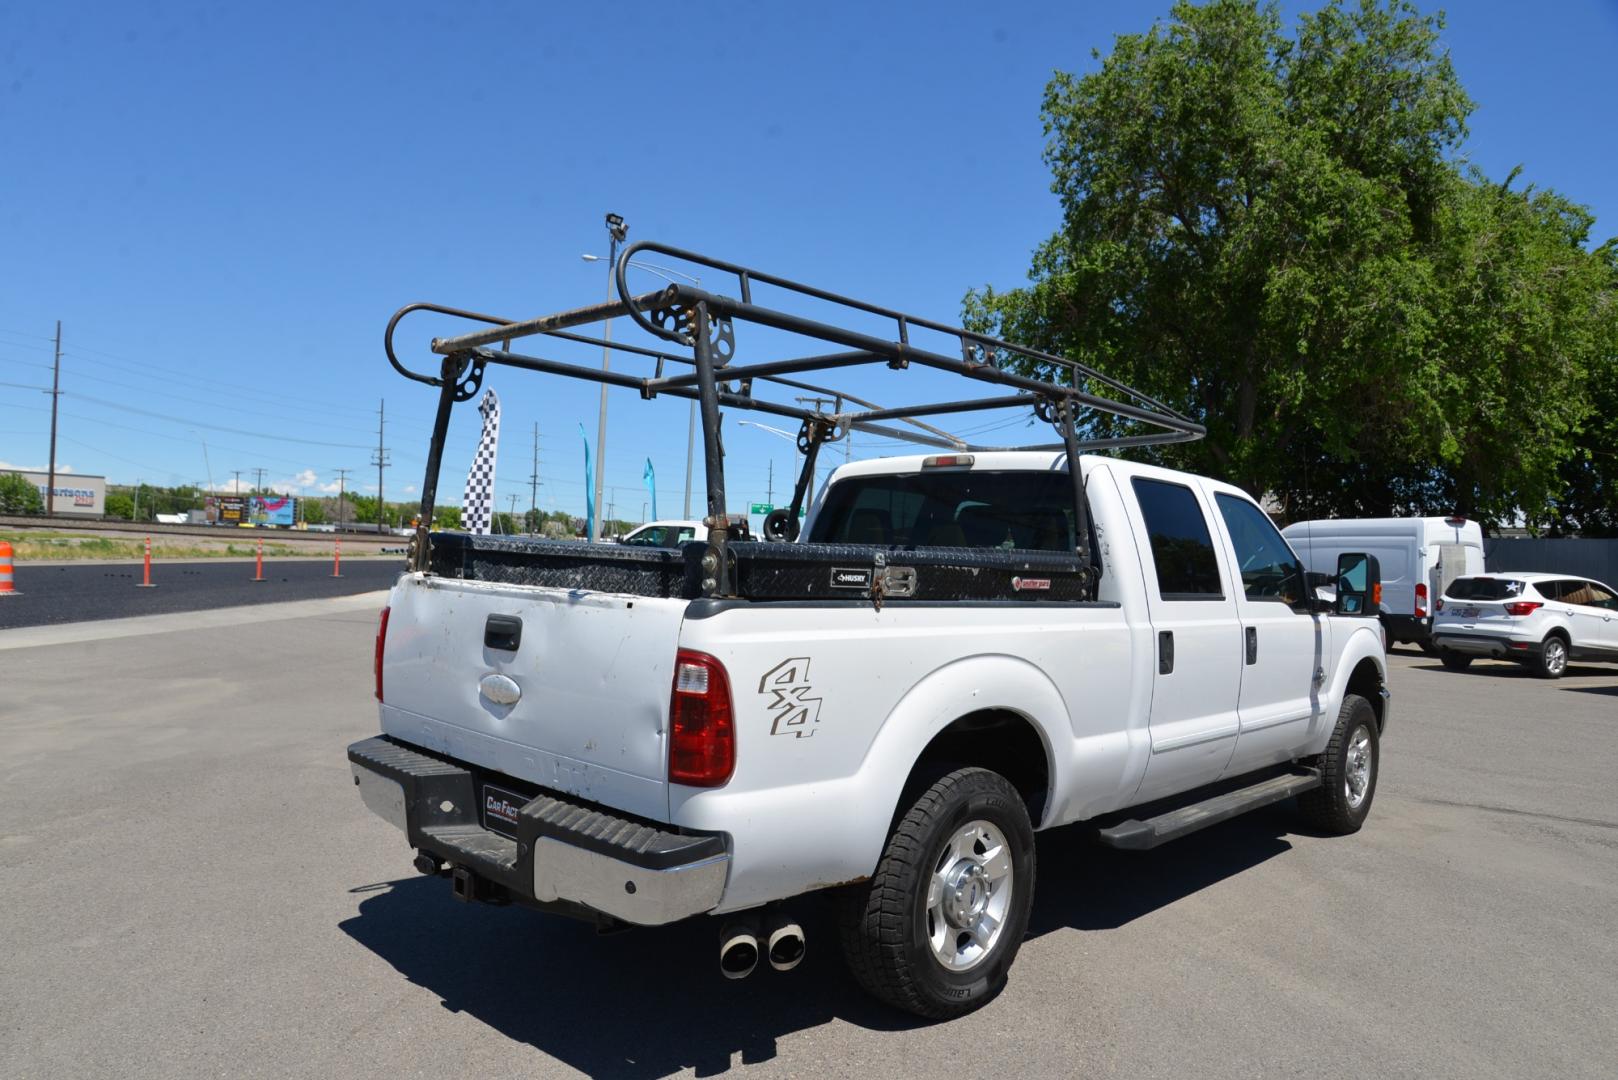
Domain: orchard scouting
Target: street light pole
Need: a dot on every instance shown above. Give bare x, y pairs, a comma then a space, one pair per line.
668, 273
616, 231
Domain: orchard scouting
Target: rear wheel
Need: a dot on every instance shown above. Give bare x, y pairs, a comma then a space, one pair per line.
1454, 661
936, 928
1552, 658
1348, 771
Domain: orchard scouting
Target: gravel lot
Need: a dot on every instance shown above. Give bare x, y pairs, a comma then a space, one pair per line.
190, 887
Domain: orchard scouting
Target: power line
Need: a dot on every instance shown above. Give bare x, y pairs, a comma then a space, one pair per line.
211, 427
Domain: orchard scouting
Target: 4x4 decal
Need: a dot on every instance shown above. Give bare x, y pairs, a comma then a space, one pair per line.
792, 711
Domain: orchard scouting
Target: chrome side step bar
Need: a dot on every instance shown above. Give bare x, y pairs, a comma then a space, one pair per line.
1137, 835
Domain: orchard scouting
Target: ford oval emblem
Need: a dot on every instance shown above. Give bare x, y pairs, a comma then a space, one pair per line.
499, 689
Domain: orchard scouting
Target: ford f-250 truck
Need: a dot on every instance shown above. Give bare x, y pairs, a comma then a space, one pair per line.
960, 649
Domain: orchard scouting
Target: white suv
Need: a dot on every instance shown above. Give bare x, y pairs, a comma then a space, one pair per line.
1541, 620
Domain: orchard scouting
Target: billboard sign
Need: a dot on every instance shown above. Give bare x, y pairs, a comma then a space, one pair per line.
226, 510
278, 510
74, 494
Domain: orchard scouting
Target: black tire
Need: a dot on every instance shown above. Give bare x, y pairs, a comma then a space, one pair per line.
1331, 807
1454, 661
884, 922
1551, 660
1427, 647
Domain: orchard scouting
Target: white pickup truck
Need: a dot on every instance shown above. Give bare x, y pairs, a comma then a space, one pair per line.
955, 655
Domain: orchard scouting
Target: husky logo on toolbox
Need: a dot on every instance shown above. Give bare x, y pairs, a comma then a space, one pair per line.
786, 685
848, 577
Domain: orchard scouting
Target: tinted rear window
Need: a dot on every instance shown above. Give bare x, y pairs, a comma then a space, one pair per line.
1483, 588
1028, 510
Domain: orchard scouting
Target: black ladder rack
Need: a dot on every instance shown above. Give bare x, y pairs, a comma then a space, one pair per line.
698, 329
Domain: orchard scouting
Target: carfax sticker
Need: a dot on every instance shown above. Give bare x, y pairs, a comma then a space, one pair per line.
850, 577
500, 809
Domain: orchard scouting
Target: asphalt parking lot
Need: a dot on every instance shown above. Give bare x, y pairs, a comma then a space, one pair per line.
190, 886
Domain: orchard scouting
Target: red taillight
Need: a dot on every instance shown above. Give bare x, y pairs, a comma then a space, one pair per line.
1523, 607
381, 639
702, 736
1421, 600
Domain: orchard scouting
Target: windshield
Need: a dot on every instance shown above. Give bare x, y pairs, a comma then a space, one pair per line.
1026, 510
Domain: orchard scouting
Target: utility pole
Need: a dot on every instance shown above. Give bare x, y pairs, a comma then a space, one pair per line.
258, 480
533, 486
342, 484
769, 492
513, 514
380, 460
56, 393
135, 514
237, 490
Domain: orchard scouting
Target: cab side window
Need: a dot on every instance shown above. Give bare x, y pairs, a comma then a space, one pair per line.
1267, 566
1577, 592
1597, 595
1182, 549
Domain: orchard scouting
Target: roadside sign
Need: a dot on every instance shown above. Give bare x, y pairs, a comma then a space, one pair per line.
762, 508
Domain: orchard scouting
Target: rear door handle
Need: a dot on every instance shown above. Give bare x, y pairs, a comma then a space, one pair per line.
1165, 652
1252, 644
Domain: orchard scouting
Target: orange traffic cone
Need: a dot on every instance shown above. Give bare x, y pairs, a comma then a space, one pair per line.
6, 586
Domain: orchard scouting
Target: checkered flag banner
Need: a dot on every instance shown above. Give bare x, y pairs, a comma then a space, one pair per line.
478, 506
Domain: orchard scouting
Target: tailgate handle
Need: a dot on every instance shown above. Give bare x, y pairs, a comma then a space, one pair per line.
502, 632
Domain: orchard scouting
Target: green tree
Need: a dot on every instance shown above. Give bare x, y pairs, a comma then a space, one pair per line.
1587, 503
1272, 235
120, 504
18, 495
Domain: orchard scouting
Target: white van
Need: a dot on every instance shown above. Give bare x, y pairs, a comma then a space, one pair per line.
1419, 558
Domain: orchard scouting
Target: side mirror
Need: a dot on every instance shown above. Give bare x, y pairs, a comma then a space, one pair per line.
1359, 584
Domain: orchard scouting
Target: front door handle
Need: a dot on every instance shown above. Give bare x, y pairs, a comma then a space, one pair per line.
1165, 652
1252, 644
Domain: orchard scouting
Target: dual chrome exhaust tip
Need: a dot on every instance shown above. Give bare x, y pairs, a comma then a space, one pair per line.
740, 949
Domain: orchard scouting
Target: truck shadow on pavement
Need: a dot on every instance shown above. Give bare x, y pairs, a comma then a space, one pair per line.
644, 1003
650, 1002
1083, 885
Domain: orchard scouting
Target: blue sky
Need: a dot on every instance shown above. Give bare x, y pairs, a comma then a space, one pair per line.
224, 203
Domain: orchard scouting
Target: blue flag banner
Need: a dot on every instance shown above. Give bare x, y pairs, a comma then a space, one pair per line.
589, 490
650, 477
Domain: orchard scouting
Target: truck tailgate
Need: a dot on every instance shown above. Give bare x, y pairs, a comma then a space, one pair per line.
592, 674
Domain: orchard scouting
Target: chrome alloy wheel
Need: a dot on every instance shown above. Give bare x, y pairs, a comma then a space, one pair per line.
969, 895
1357, 772
1555, 655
